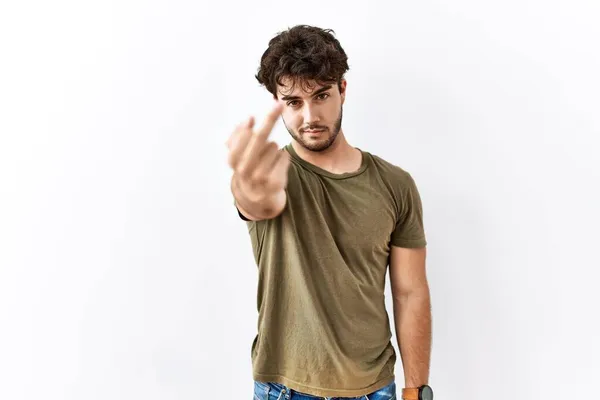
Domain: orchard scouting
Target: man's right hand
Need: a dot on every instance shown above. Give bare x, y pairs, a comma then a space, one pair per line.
260, 169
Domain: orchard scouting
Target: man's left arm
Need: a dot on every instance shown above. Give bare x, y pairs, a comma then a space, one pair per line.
412, 312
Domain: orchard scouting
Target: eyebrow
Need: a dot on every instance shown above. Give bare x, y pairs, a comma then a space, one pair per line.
323, 89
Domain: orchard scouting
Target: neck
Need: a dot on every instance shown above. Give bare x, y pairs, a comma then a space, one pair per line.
338, 158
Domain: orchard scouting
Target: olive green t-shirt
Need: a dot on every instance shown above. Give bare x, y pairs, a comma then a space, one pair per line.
323, 328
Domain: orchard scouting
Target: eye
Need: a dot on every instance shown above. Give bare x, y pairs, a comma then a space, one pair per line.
323, 96
292, 103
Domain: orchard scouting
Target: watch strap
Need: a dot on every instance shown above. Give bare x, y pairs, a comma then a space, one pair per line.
410, 393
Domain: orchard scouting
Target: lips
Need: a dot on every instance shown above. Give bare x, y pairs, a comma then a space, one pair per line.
314, 131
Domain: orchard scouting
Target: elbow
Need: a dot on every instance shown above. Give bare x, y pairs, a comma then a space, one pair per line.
413, 293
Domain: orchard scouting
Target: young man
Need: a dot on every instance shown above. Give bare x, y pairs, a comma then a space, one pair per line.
325, 220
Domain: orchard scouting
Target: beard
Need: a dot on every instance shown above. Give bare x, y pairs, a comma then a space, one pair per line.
329, 135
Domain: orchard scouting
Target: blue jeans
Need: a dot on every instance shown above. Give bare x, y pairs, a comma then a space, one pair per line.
277, 391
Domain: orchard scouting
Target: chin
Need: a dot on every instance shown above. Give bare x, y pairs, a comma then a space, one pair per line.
317, 145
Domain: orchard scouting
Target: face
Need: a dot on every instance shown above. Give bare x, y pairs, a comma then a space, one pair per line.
314, 117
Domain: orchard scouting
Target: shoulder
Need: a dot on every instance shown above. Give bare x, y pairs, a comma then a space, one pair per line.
390, 172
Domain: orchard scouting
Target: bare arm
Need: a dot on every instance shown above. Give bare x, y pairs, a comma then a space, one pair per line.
259, 169
257, 210
412, 312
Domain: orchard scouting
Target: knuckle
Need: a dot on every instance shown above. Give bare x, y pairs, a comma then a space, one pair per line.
271, 149
242, 170
259, 176
232, 159
231, 162
260, 179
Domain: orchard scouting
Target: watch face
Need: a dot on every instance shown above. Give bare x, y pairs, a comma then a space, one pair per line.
425, 393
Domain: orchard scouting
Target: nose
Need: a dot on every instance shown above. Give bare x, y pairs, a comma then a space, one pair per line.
310, 115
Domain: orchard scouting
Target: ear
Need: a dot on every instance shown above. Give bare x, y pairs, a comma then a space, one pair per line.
343, 85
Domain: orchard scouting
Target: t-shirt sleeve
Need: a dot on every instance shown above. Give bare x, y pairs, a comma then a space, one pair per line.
409, 230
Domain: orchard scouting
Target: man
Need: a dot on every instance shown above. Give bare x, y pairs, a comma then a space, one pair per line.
325, 219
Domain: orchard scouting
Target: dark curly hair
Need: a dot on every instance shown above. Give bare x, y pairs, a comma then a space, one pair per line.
302, 54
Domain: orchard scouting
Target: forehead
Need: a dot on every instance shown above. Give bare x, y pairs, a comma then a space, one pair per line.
299, 87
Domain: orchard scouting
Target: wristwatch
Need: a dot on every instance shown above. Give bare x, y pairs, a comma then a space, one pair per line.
423, 392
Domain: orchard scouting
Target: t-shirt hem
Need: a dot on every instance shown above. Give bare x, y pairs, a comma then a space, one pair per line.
326, 392
414, 243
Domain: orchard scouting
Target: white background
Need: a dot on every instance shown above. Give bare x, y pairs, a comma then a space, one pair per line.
125, 272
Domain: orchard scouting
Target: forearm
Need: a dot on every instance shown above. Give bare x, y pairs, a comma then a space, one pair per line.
255, 205
412, 315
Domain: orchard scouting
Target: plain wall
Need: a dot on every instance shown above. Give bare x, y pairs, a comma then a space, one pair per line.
125, 272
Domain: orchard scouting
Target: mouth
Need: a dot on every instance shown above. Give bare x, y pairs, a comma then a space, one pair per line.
314, 131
